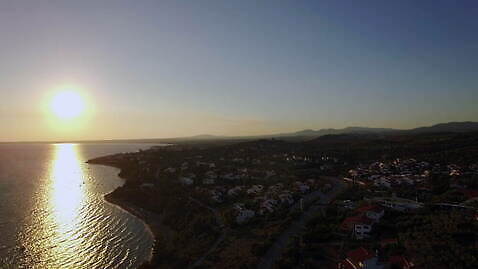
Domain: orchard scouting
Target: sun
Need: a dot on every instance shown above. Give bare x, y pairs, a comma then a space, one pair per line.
67, 104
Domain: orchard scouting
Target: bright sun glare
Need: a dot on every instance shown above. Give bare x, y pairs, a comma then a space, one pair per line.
67, 104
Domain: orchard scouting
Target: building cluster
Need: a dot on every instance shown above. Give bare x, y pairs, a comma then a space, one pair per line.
360, 226
249, 184
391, 174
410, 172
248, 201
388, 177
251, 180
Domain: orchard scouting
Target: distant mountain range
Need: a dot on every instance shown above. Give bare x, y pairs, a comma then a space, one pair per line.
451, 127
347, 130
309, 134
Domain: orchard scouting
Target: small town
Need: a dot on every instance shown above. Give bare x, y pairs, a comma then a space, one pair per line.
274, 204
329, 134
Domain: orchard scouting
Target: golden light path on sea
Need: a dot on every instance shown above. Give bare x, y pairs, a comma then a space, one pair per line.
64, 220
67, 197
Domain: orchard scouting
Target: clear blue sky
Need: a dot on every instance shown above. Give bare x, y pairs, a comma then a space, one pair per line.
178, 68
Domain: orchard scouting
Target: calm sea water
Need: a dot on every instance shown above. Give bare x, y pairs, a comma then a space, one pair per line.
52, 211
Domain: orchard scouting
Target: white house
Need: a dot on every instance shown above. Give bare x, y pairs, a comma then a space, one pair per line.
244, 215
208, 181
373, 212
211, 174
186, 180
216, 196
286, 198
360, 226
255, 189
234, 191
268, 205
170, 170
362, 230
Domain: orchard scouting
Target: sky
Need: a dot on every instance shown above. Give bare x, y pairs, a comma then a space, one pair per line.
151, 69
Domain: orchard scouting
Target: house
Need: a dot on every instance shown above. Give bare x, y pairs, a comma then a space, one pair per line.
373, 212
348, 204
398, 204
268, 205
208, 181
276, 188
170, 170
244, 214
238, 206
302, 187
234, 191
360, 258
147, 186
270, 174
286, 198
211, 174
186, 180
360, 226
382, 182
255, 189
231, 176
311, 182
216, 196
184, 165
242, 170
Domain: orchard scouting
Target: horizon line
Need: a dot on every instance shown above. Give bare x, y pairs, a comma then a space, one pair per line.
106, 140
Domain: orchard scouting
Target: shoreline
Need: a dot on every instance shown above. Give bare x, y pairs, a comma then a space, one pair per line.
133, 210
152, 221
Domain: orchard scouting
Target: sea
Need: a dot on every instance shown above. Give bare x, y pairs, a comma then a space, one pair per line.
53, 213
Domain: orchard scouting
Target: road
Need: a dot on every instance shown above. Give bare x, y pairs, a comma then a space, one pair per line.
281, 243
220, 224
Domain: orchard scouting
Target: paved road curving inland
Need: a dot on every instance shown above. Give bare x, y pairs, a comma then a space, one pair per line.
277, 248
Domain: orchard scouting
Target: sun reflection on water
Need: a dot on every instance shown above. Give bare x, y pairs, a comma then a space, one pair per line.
65, 221
67, 197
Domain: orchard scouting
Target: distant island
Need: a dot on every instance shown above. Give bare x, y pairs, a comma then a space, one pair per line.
387, 198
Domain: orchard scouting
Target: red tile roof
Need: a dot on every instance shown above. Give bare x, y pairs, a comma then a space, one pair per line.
355, 257
374, 208
359, 255
349, 222
400, 261
388, 241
